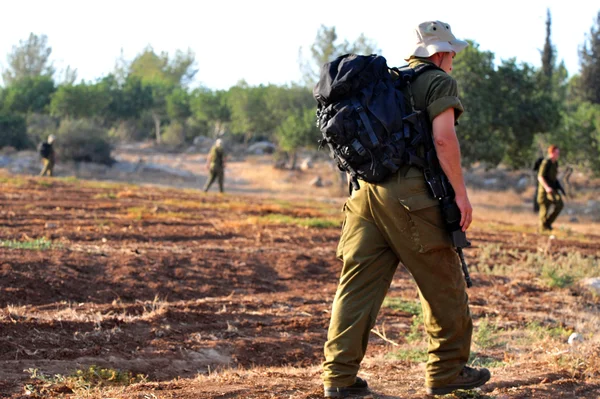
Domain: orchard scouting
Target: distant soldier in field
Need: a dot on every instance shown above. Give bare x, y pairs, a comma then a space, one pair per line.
548, 196
46, 150
215, 163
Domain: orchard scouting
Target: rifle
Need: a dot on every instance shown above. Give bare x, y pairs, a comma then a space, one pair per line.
440, 187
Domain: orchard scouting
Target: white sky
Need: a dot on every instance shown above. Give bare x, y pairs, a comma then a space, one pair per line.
259, 40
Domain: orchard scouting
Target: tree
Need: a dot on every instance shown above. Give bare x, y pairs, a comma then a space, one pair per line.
29, 94
522, 110
548, 55
161, 75
480, 137
249, 115
325, 49
298, 130
589, 60
82, 101
14, 131
29, 59
210, 109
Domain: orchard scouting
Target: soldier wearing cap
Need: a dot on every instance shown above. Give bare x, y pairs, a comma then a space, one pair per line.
397, 221
48, 156
215, 163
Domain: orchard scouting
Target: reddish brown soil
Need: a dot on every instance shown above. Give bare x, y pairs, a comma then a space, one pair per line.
187, 283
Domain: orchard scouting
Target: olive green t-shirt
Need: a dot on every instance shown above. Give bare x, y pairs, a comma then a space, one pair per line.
435, 91
216, 156
549, 171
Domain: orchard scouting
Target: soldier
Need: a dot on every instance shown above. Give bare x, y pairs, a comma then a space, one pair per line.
395, 221
215, 163
548, 195
48, 155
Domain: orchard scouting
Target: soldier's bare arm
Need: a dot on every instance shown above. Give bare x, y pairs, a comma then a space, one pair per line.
448, 152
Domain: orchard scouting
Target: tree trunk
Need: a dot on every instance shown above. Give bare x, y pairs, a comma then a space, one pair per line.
294, 158
156, 126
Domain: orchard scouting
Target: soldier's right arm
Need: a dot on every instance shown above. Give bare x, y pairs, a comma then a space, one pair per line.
541, 174
448, 152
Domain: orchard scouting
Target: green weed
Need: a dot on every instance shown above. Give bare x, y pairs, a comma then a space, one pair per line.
540, 331
39, 244
45, 183
411, 307
476, 360
486, 334
416, 329
110, 195
80, 381
412, 354
302, 222
556, 278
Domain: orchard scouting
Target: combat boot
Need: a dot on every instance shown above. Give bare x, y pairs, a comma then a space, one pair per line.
360, 389
468, 378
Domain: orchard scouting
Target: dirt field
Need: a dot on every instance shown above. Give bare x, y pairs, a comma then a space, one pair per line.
193, 295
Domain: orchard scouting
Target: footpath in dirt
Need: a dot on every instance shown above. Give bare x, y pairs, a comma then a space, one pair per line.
201, 295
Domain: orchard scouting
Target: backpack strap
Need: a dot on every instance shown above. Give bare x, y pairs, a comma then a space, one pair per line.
365, 120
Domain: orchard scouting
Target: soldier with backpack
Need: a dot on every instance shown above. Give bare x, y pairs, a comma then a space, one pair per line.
548, 192
391, 217
46, 151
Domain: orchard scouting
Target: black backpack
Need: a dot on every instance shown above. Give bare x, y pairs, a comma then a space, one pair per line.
537, 164
360, 112
45, 150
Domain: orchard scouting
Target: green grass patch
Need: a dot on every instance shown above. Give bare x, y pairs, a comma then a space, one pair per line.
416, 332
302, 222
80, 382
39, 244
110, 196
13, 181
418, 355
70, 179
486, 334
411, 307
557, 278
477, 360
540, 331
45, 183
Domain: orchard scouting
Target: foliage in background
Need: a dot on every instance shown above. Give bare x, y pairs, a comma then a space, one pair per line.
82, 140
512, 110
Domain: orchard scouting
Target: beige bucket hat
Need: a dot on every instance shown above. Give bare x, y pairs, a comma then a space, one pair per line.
435, 37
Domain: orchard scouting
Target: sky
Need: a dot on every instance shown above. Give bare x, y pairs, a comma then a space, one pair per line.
260, 41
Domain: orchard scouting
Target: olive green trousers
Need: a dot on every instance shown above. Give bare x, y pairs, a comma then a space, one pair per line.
550, 206
387, 223
48, 167
215, 174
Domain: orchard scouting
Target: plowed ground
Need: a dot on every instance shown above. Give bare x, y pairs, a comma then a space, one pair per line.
226, 296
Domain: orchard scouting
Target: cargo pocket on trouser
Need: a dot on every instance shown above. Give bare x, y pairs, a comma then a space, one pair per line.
340, 248
427, 226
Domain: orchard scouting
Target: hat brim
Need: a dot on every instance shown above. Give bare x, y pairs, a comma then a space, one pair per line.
455, 46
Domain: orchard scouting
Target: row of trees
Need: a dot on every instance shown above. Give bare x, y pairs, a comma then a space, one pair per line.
512, 109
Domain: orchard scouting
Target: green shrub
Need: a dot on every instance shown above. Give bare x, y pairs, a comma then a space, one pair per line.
40, 126
83, 141
174, 134
13, 131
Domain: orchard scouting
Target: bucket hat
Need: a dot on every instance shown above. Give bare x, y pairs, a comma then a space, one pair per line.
435, 37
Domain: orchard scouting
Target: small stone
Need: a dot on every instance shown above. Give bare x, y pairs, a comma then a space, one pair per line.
50, 225
575, 338
316, 182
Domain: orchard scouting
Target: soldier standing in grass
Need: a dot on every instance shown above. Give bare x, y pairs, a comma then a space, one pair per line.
48, 155
397, 220
215, 163
548, 196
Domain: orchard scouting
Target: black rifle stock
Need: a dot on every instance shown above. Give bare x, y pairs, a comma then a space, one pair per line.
440, 188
